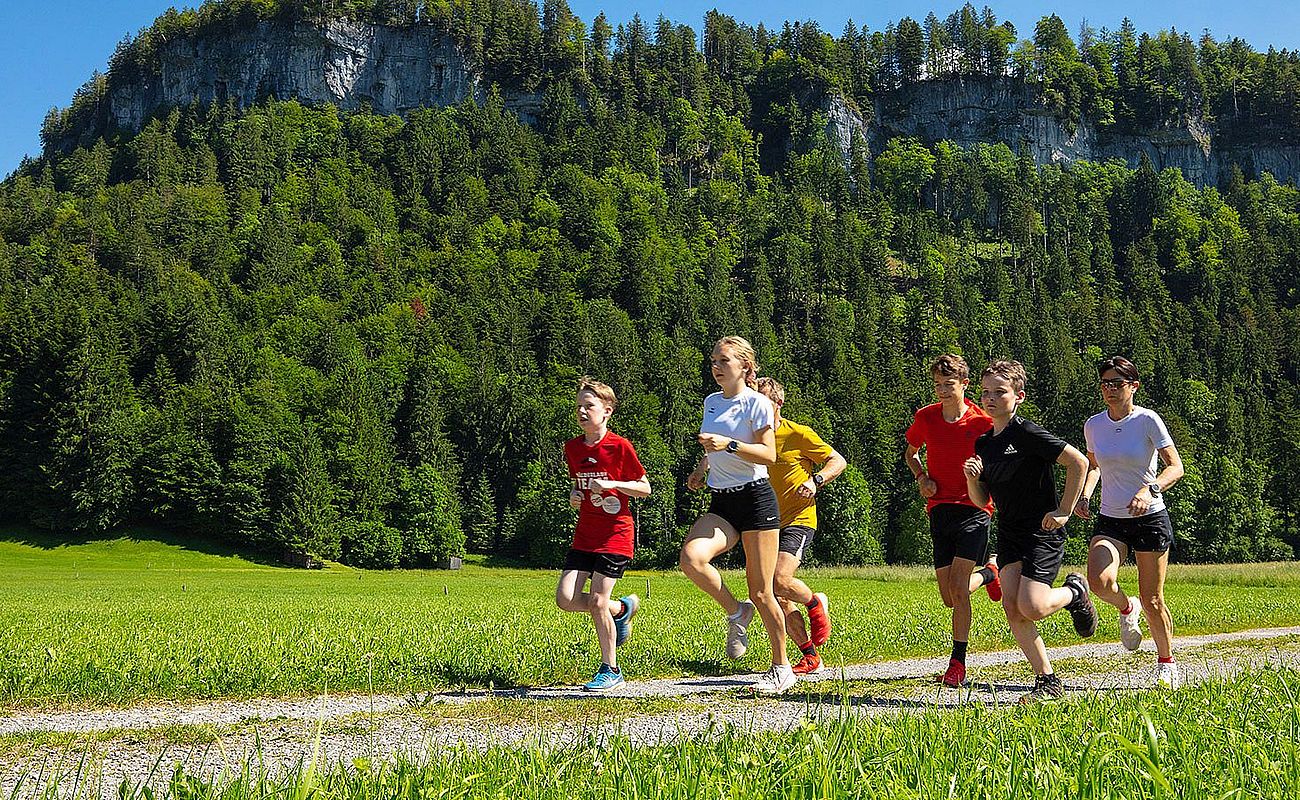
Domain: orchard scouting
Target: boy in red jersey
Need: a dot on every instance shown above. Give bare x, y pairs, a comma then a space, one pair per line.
606, 474
959, 527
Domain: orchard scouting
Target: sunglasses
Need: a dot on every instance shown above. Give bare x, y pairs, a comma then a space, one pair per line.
1115, 383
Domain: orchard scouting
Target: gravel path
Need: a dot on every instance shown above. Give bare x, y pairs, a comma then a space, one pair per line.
139, 744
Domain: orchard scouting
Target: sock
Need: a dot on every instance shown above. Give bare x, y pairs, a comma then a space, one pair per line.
621, 609
1128, 608
808, 649
813, 603
959, 651
986, 575
1169, 660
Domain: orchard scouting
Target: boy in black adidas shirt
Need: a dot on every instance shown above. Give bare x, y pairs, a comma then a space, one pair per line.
1013, 463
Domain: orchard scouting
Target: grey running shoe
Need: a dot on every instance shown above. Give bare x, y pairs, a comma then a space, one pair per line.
777, 680
738, 630
1130, 630
1082, 611
1046, 687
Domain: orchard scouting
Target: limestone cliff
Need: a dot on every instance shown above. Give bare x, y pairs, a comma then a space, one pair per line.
395, 69
978, 109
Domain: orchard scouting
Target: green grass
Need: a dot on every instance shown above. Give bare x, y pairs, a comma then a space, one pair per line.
1221, 740
16, 746
120, 621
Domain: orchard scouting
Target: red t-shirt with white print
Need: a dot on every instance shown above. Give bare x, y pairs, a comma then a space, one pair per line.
605, 522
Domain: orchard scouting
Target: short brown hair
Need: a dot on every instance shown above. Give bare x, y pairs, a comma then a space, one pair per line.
950, 365
601, 390
1126, 369
773, 389
1012, 372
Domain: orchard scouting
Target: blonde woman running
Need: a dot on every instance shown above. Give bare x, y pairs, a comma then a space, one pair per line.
738, 435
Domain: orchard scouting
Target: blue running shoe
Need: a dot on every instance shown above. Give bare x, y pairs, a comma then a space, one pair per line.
606, 679
623, 622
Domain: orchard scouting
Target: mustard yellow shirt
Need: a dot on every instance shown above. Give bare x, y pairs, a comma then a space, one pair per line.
799, 451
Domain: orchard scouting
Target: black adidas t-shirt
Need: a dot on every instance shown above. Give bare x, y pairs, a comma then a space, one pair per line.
1018, 473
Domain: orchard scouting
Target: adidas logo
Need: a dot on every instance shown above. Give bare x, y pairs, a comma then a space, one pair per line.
1010, 451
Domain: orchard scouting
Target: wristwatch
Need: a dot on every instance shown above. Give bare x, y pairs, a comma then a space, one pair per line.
1154, 489
733, 446
818, 480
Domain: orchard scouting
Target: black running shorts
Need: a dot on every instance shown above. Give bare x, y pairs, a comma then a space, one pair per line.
1150, 533
958, 531
611, 565
1040, 553
796, 540
751, 507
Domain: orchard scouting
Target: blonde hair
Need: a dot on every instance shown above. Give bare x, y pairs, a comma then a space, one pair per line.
950, 365
772, 389
601, 390
1012, 372
742, 349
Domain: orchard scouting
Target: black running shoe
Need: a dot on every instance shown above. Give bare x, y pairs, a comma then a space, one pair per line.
1082, 611
1046, 687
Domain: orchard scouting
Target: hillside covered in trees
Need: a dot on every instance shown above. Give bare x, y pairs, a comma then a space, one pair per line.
357, 336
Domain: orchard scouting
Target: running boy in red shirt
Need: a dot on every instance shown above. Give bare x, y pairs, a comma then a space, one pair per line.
606, 474
959, 526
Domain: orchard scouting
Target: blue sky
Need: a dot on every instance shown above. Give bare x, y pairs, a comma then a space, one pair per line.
49, 48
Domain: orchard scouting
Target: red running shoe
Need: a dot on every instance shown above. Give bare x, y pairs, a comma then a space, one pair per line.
994, 587
810, 664
955, 676
819, 620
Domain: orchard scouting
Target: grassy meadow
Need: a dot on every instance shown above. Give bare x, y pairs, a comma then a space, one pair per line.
118, 621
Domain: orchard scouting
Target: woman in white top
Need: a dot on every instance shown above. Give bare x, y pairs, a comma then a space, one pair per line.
739, 439
1123, 443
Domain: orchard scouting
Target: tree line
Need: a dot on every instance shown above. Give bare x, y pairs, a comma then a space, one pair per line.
356, 337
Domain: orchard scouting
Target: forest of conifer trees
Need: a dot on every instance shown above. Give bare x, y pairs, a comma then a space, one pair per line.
355, 336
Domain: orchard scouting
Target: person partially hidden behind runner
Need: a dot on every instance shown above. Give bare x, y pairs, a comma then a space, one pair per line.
796, 480
606, 473
959, 528
1123, 442
1013, 464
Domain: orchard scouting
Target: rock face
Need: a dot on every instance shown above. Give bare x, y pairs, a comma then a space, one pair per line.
397, 69
977, 109
392, 69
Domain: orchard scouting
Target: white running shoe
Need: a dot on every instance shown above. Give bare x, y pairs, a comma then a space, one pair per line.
1168, 675
1130, 625
738, 630
777, 680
